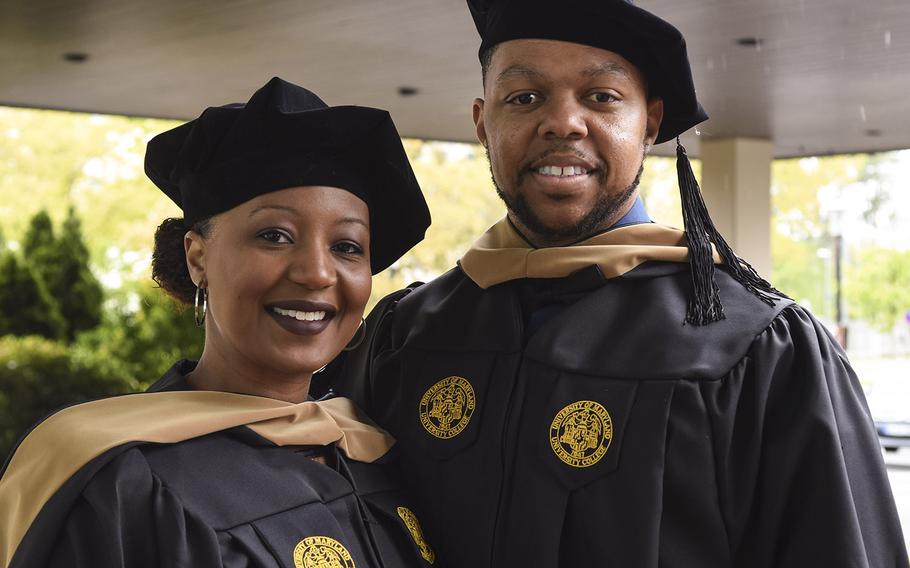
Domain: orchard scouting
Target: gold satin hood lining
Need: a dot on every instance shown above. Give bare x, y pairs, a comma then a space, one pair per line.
501, 254
61, 445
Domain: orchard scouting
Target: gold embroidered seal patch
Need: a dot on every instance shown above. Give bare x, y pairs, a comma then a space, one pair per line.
580, 434
321, 552
410, 521
447, 407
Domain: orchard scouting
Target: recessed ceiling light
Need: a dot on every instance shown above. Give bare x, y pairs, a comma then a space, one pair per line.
751, 41
406, 91
75, 57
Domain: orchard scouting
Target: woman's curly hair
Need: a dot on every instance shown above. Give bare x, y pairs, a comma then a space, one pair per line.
169, 258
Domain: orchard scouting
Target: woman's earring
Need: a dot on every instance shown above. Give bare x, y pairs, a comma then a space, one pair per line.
200, 308
359, 335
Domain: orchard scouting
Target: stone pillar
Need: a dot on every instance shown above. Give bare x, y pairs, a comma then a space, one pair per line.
736, 183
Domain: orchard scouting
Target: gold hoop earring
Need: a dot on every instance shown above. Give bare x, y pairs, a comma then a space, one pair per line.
199, 311
362, 332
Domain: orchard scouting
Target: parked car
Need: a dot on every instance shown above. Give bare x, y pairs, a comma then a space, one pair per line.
893, 435
890, 407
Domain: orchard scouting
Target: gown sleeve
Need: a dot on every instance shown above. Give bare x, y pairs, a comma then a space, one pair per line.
369, 375
801, 479
126, 518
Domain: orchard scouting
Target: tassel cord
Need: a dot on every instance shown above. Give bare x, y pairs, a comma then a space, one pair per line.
705, 306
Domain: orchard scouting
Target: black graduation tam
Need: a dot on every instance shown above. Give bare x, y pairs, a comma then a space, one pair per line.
658, 49
286, 136
654, 46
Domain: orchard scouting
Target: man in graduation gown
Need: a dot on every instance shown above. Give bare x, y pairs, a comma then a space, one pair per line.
587, 388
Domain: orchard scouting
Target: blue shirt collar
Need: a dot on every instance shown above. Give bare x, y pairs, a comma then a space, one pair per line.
635, 216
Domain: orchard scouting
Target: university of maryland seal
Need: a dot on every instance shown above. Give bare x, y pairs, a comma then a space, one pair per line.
447, 407
410, 521
321, 552
580, 434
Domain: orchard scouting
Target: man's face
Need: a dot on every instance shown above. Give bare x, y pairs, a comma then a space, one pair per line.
566, 127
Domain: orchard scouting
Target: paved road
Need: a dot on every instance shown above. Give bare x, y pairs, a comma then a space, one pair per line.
899, 473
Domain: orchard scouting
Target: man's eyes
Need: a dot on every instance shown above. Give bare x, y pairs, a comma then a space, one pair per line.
523, 99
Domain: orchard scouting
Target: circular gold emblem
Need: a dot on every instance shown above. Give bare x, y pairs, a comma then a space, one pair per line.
410, 521
580, 434
321, 552
447, 407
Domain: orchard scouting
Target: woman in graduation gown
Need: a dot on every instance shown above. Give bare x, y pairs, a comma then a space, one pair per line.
289, 208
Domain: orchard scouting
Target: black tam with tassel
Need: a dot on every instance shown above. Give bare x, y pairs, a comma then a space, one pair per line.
704, 303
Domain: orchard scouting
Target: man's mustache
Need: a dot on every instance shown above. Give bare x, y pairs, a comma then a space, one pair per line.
563, 149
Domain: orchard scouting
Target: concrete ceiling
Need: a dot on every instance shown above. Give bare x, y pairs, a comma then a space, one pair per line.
830, 76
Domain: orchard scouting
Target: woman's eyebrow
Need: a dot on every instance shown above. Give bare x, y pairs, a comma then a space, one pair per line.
340, 221
279, 207
356, 220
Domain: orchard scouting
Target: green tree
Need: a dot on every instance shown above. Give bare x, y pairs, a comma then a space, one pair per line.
39, 244
878, 286
54, 160
25, 305
147, 332
71, 282
62, 263
38, 376
801, 241
455, 179
659, 189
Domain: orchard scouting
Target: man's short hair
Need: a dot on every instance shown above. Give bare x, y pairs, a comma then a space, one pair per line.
485, 59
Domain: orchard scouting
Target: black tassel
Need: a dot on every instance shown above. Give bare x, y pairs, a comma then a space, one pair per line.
704, 305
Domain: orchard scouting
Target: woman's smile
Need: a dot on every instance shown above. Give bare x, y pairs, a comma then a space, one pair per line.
302, 317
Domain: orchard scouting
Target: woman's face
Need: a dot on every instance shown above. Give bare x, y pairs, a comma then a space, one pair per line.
288, 277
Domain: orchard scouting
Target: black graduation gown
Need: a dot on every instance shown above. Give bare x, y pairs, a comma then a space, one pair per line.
616, 436
227, 499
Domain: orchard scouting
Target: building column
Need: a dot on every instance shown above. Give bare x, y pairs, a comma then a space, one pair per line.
736, 183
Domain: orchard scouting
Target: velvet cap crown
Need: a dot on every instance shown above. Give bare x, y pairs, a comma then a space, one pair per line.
286, 136
653, 45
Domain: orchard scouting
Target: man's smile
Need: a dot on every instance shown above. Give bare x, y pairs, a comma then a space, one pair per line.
559, 175
562, 172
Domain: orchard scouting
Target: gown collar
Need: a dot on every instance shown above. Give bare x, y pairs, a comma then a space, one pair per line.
502, 254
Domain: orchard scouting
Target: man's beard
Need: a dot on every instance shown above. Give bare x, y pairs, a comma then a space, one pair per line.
594, 221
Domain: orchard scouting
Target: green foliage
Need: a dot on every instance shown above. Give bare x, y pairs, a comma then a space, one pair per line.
71, 281
801, 242
878, 286
62, 265
660, 190
56, 160
39, 242
38, 376
26, 307
804, 275
147, 332
455, 179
